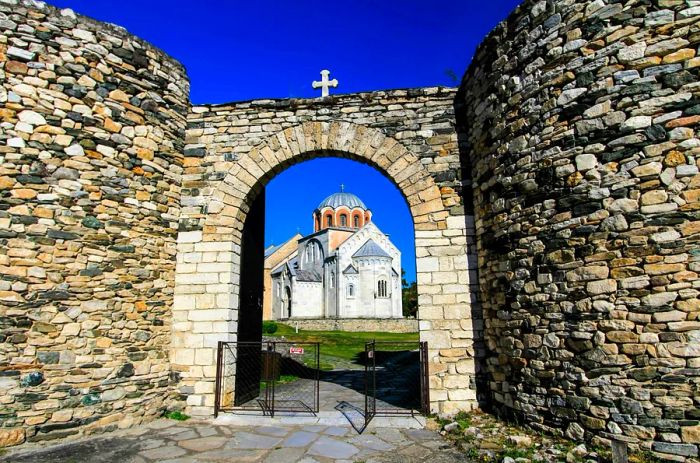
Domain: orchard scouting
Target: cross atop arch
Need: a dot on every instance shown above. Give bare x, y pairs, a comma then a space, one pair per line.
324, 84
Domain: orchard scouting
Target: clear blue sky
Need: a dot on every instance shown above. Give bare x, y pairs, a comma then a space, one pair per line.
237, 50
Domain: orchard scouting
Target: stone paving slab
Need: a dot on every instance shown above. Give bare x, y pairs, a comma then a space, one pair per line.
300, 439
167, 441
332, 448
322, 418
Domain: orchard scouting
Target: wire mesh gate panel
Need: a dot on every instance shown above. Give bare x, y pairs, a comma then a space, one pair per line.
267, 377
396, 378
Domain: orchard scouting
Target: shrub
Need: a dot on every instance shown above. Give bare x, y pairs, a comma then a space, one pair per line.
269, 327
175, 415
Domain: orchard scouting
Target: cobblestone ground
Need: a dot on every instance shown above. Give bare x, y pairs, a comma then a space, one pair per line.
201, 442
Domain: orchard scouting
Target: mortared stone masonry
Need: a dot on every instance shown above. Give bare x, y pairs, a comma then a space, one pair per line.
554, 197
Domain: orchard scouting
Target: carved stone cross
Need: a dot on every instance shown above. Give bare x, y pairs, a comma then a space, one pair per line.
324, 84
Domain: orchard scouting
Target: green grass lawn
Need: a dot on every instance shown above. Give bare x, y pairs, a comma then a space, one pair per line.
340, 348
283, 379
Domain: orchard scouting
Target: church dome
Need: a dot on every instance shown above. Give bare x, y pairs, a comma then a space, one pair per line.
342, 198
341, 210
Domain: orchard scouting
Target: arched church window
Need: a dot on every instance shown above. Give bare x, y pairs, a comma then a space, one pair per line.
343, 220
351, 290
356, 221
313, 252
329, 221
332, 282
382, 288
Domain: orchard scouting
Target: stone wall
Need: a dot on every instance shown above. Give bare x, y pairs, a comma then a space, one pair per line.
91, 141
234, 149
386, 325
576, 120
580, 120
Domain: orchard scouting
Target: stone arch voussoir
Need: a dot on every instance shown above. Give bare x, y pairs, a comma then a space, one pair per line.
301, 142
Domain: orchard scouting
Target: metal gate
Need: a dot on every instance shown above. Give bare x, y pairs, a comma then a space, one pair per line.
396, 379
272, 377
425, 381
267, 377
370, 383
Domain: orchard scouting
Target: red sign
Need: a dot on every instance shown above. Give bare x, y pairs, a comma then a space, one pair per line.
296, 350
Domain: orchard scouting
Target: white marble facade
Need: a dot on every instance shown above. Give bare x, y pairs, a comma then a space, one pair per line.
347, 268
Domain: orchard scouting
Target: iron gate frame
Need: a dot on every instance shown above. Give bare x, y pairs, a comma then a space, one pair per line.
425, 378
269, 403
371, 409
370, 383
424, 401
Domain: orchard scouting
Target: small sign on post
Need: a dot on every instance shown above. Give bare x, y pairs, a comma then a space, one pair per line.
296, 350
370, 354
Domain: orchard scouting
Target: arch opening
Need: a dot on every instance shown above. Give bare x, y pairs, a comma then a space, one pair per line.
442, 267
318, 263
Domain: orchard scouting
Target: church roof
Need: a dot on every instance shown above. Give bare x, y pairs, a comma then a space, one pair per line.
308, 275
350, 270
342, 199
291, 264
271, 249
371, 249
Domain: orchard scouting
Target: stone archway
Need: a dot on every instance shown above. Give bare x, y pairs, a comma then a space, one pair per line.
206, 304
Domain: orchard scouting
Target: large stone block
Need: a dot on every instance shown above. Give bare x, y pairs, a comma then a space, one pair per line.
189, 237
436, 339
10, 437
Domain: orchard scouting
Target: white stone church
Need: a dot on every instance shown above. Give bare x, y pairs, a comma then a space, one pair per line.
347, 268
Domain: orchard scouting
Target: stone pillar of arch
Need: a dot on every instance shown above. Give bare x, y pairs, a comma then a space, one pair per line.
206, 304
